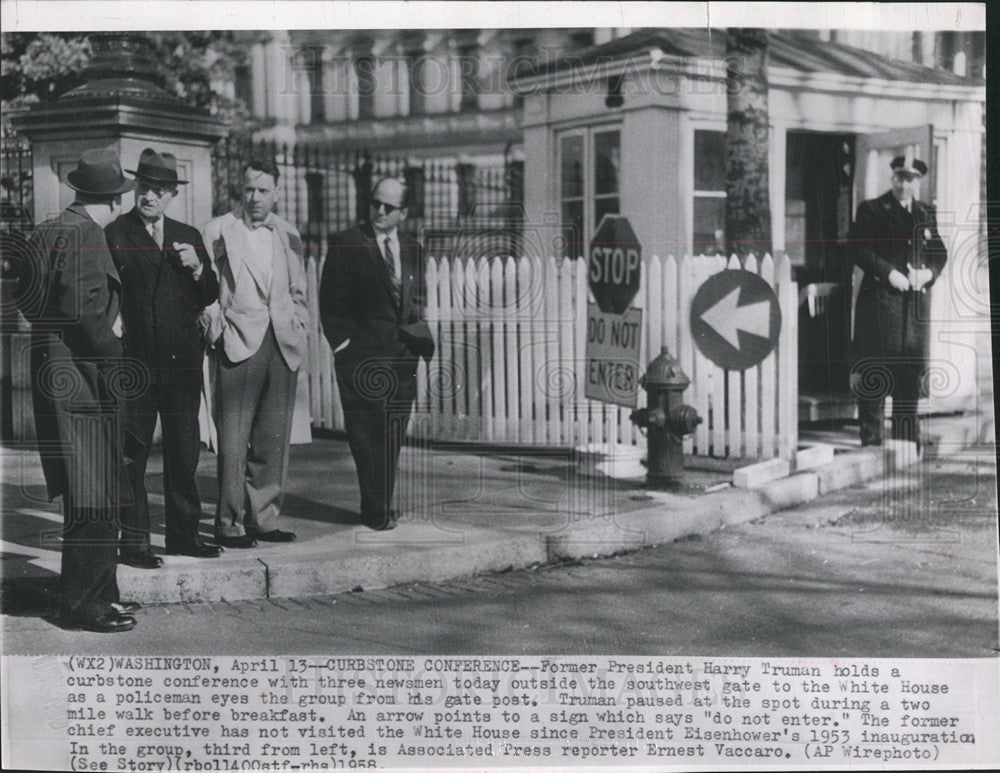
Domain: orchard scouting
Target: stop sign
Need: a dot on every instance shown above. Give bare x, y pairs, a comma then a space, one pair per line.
614, 264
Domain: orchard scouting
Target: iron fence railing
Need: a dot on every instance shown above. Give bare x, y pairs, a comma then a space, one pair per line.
17, 186
324, 191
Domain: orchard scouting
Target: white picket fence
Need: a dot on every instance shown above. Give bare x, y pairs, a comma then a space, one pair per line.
510, 362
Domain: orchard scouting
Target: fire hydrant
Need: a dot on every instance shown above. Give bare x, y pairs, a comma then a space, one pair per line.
666, 419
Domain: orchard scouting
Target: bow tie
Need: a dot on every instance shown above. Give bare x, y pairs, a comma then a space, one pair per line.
255, 224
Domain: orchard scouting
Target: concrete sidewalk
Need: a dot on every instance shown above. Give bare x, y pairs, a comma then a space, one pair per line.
464, 512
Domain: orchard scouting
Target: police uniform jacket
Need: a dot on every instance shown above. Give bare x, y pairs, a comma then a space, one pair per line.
889, 323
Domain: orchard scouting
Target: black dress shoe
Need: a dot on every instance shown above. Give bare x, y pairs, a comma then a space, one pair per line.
107, 622
197, 549
141, 559
384, 522
275, 535
126, 607
243, 541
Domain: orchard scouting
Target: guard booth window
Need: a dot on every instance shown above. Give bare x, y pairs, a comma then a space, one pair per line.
709, 232
589, 183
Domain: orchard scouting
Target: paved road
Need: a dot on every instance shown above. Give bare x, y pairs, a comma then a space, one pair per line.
899, 568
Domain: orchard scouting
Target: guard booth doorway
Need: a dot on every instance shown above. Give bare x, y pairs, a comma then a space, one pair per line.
819, 205
826, 175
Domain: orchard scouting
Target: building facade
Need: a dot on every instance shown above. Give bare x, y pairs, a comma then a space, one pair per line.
441, 93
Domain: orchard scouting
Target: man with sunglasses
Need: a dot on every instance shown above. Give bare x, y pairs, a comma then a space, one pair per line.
371, 300
168, 281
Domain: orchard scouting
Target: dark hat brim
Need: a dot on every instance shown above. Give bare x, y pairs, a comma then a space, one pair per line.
154, 179
125, 187
912, 168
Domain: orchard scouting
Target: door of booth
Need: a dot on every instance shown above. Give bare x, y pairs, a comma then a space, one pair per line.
827, 176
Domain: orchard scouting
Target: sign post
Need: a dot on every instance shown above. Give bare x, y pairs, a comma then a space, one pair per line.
614, 329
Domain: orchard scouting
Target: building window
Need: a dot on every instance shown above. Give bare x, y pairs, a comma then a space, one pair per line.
468, 68
418, 102
314, 197
522, 60
364, 70
522, 56
589, 183
317, 94
243, 84
709, 231
581, 39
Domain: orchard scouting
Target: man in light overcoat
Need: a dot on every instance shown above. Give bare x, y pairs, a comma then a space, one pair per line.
258, 328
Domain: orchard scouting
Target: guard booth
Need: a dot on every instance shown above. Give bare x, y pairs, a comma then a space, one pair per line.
637, 126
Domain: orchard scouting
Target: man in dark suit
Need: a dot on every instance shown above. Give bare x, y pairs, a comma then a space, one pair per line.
168, 281
897, 245
371, 301
77, 382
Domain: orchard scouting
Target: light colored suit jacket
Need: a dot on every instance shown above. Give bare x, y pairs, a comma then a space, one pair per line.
242, 315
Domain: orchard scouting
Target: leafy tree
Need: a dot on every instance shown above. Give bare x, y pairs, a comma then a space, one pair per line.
40, 67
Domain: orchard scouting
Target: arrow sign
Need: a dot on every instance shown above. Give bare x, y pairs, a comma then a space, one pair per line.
727, 316
735, 319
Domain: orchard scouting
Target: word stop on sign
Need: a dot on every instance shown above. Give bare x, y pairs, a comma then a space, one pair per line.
614, 265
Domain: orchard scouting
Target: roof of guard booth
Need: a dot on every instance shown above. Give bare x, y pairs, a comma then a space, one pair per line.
792, 50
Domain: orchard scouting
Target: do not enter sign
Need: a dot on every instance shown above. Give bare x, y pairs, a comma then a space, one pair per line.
613, 342
614, 264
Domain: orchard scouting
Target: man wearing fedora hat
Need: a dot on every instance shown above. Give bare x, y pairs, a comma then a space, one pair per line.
897, 245
79, 383
168, 281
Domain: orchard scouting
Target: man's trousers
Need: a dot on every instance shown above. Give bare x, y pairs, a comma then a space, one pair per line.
89, 568
376, 415
899, 379
255, 399
177, 406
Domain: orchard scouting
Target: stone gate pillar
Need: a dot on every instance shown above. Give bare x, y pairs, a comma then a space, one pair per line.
123, 105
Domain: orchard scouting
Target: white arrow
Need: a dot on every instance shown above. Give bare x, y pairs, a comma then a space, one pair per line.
726, 317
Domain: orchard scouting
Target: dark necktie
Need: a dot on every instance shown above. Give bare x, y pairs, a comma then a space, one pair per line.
156, 231
390, 263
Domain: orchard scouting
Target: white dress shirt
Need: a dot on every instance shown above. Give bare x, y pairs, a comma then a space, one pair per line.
262, 248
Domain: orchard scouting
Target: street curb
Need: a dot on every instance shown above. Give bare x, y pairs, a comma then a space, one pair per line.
350, 559
657, 525
191, 580
429, 562
850, 469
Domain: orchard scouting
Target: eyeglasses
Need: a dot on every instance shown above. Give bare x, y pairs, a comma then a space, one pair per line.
389, 208
157, 190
